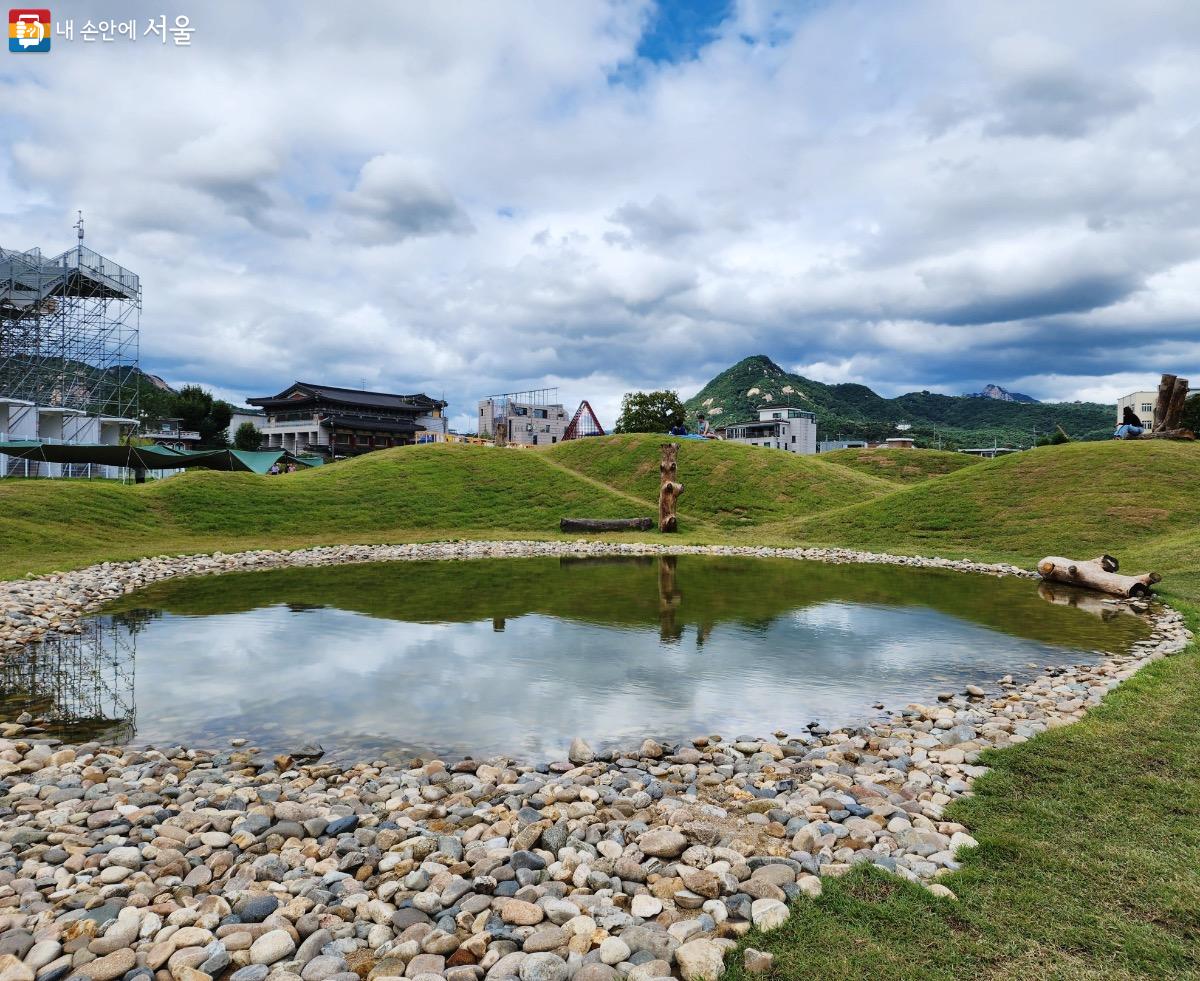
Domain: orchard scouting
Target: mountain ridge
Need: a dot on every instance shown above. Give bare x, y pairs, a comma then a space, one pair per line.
851, 411
1001, 394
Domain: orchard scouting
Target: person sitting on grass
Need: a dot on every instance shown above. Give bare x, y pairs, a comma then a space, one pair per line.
706, 430
679, 429
1131, 426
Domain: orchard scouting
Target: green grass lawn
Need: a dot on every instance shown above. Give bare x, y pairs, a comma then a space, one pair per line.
1089, 865
901, 466
728, 485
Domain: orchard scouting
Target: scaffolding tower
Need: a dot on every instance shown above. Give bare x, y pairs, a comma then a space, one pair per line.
81, 684
69, 331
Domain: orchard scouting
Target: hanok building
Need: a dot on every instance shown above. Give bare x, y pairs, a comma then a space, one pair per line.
346, 421
778, 428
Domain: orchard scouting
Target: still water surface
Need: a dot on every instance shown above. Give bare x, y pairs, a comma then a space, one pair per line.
517, 656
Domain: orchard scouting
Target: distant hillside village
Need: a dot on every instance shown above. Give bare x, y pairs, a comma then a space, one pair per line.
70, 377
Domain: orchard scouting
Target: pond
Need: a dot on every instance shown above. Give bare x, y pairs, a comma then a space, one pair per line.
517, 656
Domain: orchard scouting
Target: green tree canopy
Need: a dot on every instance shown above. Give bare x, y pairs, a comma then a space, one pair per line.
1191, 414
247, 437
650, 412
199, 411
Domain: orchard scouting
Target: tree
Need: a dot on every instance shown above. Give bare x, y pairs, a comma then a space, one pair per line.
199, 411
247, 437
650, 412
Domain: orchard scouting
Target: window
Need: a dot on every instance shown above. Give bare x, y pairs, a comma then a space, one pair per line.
541, 414
793, 439
1147, 407
776, 415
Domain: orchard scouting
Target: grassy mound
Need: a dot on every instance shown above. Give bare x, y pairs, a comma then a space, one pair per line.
1079, 499
413, 492
901, 466
726, 484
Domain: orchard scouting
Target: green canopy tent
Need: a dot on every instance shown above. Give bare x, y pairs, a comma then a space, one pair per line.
152, 457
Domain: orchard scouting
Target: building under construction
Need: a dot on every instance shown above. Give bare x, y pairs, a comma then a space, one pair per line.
68, 349
534, 418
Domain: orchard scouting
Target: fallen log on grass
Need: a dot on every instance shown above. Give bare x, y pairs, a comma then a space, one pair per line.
1099, 574
606, 524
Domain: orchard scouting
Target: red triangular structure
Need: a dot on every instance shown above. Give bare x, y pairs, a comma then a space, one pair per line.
583, 423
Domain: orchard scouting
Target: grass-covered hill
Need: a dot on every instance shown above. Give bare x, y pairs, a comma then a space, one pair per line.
726, 484
901, 466
855, 412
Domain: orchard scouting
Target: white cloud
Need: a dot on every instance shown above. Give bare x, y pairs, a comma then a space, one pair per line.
461, 198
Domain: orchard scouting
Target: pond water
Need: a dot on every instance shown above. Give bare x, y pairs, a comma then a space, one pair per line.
517, 656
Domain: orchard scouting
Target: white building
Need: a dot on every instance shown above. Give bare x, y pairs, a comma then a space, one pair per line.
256, 417
24, 420
778, 428
1142, 404
523, 418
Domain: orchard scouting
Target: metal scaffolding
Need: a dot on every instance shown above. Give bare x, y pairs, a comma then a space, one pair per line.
69, 332
81, 684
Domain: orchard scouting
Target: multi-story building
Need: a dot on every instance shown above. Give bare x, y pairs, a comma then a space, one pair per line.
1142, 404
345, 421
240, 415
778, 428
523, 418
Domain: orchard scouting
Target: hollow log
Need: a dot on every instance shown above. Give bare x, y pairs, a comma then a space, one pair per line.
1099, 574
606, 524
1175, 406
669, 488
1184, 434
1166, 387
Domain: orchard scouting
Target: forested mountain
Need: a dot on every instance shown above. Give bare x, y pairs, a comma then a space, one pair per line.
855, 412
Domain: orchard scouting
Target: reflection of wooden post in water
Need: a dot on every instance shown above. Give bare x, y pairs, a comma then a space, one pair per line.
498, 624
1081, 599
669, 490
669, 598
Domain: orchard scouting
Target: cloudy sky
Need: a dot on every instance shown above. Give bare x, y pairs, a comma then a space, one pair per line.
469, 198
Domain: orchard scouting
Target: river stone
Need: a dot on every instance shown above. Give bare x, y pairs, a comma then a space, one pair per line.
614, 950
323, 967
112, 966
251, 972
543, 967
757, 961
545, 939
700, 960
768, 914
16, 942
596, 972
646, 906
272, 946
12, 969
255, 909
662, 843
521, 913
580, 752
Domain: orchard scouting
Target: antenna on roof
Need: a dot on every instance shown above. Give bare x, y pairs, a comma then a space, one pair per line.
79, 226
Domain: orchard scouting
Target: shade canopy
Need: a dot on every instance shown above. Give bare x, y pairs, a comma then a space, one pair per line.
152, 457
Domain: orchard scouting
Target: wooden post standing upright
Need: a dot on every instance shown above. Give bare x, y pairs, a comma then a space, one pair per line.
669, 489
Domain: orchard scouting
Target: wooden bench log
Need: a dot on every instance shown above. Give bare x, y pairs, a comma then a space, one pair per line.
1099, 574
606, 524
